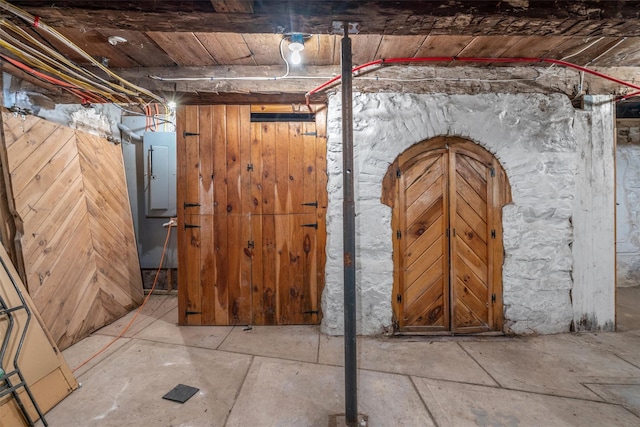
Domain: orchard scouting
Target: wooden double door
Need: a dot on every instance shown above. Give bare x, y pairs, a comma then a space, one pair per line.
251, 212
447, 195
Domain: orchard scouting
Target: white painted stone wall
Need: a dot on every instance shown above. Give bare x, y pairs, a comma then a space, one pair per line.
628, 202
537, 138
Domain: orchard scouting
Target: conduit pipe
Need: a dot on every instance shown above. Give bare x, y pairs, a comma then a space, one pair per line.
382, 62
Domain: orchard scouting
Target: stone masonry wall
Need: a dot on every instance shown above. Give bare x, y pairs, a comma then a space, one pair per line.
535, 137
628, 202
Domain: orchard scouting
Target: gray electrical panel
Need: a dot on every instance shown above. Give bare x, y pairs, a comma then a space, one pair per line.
160, 174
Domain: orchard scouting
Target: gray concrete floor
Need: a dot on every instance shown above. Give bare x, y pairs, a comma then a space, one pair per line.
293, 376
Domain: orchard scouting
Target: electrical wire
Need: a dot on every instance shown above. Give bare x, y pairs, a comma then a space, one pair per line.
135, 316
78, 92
257, 78
134, 90
55, 59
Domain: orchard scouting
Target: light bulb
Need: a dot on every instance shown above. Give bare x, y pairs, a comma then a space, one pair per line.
171, 105
295, 57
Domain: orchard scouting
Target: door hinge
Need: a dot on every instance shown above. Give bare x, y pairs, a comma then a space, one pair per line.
493, 234
191, 226
447, 232
250, 167
251, 244
314, 204
314, 225
493, 172
493, 298
309, 134
186, 134
453, 232
398, 234
398, 173
191, 205
311, 312
399, 297
188, 313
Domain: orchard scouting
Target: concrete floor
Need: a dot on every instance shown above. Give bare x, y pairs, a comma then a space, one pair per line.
292, 376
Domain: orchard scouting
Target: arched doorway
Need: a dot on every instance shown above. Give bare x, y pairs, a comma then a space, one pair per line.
447, 195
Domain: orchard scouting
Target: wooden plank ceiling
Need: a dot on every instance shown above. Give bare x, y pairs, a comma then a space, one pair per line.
230, 34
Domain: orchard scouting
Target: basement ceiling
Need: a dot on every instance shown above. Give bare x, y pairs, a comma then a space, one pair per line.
235, 38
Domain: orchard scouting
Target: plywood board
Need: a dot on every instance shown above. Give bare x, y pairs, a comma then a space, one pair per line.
40, 361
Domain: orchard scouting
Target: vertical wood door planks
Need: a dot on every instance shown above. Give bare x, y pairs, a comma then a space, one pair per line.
255, 252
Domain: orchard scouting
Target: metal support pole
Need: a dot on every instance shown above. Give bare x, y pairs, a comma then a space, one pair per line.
349, 237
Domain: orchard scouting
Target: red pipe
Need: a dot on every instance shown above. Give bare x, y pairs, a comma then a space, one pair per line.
471, 59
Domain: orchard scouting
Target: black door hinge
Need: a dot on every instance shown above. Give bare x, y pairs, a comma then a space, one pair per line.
189, 313
398, 173
186, 134
250, 167
493, 298
447, 232
399, 298
315, 225
314, 204
311, 312
191, 226
309, 134
493, 234
251, 244
493, 172
191, 205
398, 234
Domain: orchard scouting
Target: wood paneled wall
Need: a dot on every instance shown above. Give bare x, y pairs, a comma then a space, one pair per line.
74, 231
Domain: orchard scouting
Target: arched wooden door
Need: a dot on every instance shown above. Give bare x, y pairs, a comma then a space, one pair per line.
447, 194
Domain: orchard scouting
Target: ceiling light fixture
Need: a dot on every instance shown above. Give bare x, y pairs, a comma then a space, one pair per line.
296, 45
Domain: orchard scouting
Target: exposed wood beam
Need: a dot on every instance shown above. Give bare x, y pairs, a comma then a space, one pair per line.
233, 6
452, 80
582, 17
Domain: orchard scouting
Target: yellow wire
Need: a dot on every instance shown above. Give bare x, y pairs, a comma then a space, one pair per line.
54, 57
31, 20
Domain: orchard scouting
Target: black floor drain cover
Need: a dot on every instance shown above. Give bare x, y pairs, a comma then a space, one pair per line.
181, 393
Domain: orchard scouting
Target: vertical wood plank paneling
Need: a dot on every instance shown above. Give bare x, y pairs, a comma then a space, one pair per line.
281, 166
268, 168
193, 266
309, 252
221, 248
243, 301
205, 156
189, 288
181, 198
285, 311
309, 170
69, 194
257, 271
270, 265
206, 260
267, 268
296, 165
256, 164
219, 142
233, 164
